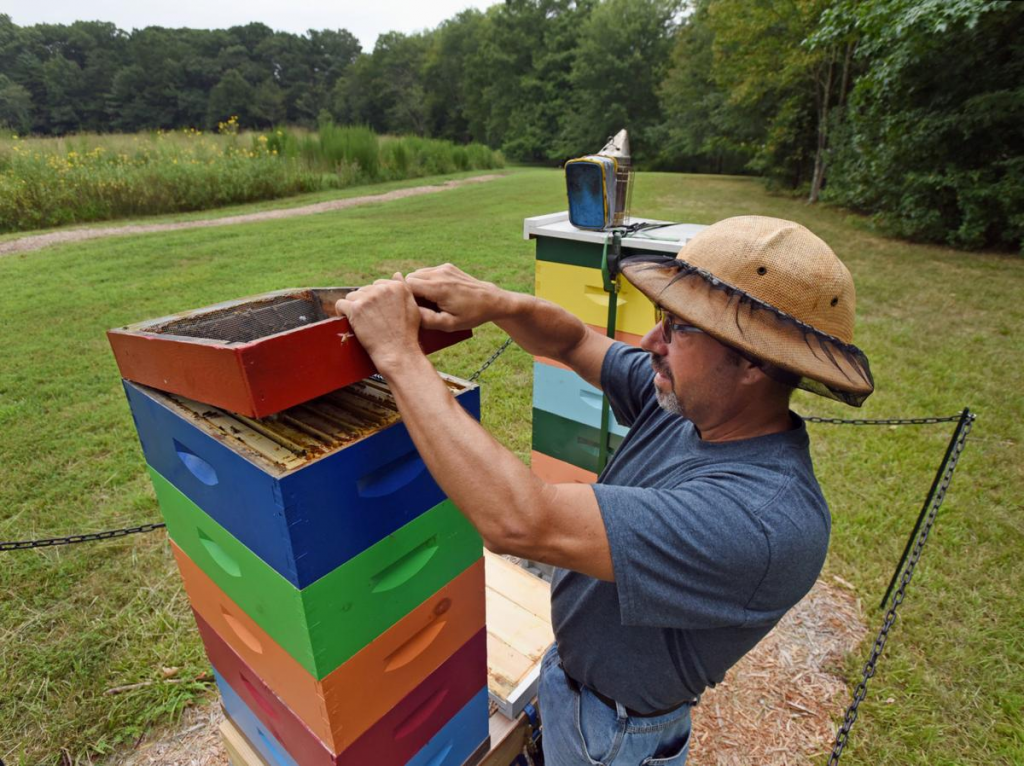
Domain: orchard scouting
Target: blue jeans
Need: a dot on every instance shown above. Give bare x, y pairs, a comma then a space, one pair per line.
580, 730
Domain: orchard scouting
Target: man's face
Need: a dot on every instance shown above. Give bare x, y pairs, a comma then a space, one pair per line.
695, 374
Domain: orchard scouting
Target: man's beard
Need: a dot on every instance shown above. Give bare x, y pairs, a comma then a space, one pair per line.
667, 400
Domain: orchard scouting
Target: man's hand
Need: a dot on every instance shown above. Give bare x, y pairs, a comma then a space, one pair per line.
385, 318
462, 301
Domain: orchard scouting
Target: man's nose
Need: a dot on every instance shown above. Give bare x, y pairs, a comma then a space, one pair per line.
654, 341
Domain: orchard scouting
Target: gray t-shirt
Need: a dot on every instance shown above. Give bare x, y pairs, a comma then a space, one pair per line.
711, 544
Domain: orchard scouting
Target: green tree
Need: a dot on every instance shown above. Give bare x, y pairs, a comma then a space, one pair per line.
63, 82
772, 78
287, 61
15, 105
22, 52
519, 80
76, 94
157, 88
326, 56
620, 59
385, 89
268, 104
701, 131
445, 74
232, 96
332, 51
932, 142
352, 97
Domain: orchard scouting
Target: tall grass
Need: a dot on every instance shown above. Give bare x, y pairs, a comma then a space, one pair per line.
52, 182
354, 147
357, 153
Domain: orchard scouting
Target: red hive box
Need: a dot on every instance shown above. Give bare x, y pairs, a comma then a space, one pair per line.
255, 356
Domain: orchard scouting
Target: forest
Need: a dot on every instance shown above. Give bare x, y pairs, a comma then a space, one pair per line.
908, 111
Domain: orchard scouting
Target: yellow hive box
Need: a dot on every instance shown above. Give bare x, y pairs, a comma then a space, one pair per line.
580, 291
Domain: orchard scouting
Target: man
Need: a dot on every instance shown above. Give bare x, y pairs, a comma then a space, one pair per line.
706, 526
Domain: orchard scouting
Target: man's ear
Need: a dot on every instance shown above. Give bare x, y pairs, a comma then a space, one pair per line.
752, 374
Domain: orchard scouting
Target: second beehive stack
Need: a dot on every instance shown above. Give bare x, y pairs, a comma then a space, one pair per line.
566, 409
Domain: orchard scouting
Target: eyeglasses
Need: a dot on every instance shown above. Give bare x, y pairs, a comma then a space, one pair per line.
669, 324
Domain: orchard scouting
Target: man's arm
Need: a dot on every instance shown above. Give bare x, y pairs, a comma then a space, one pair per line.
539, 327
514, 511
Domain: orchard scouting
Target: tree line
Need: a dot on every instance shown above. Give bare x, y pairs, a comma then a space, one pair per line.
909, 110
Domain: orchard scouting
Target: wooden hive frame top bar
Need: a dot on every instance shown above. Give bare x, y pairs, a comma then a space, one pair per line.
302, 434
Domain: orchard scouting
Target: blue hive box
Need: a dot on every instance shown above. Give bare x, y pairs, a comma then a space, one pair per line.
305, 490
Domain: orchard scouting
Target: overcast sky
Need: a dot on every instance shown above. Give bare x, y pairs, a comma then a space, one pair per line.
364, 18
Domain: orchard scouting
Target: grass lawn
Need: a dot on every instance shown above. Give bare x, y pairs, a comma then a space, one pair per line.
942, 330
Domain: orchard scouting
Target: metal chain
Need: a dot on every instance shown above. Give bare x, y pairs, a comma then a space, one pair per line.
884, 421
860, 693
70, 539
501, 350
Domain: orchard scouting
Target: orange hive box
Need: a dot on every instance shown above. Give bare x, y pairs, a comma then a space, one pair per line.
337, 708
555, 471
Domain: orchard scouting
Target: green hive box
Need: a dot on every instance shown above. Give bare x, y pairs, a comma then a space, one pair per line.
327, 622
570, 441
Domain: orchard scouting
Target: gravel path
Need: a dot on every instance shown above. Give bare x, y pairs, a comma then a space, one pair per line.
39, 241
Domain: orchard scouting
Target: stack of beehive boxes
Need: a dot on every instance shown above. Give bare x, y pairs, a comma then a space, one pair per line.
567, 409
338, 593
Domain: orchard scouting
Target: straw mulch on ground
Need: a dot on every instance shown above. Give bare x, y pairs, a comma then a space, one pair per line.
195, 742
777, 706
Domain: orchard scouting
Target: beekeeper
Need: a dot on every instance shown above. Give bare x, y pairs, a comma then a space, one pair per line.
706, 526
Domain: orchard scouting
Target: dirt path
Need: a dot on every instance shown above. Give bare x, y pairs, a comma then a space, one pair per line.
39, 241
775, 708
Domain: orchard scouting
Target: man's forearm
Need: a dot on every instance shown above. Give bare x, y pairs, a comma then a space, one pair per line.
540, 327
514, 511
499, 495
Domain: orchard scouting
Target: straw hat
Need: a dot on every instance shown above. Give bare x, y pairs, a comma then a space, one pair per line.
771, 289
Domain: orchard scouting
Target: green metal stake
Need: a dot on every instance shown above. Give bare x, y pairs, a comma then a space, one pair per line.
611, 286
965, 418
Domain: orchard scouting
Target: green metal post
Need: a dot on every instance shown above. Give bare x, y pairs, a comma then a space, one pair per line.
611, 286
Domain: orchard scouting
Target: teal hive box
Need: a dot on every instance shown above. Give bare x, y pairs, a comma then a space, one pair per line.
563, 392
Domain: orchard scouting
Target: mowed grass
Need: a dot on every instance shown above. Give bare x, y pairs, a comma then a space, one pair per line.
942, 330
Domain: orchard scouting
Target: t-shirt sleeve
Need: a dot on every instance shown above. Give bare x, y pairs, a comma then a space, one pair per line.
627, 381
690, 557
